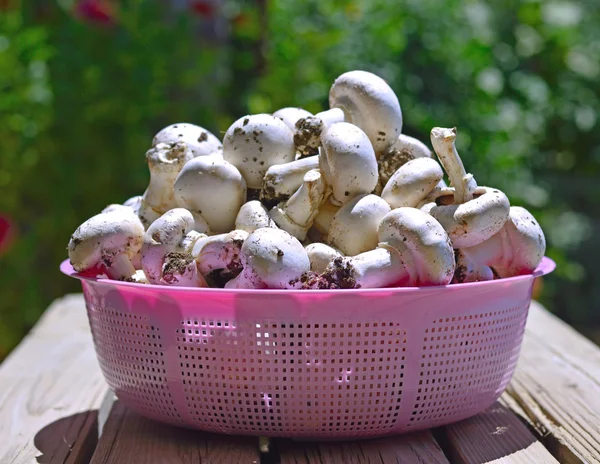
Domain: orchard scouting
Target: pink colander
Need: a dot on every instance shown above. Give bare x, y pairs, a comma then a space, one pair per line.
322, 364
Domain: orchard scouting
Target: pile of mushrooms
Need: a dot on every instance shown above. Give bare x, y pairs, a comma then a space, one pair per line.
338, 199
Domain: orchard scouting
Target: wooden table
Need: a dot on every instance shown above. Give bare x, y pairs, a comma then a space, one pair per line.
56, 408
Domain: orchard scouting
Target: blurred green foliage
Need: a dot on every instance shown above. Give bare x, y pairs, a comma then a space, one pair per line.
80, 102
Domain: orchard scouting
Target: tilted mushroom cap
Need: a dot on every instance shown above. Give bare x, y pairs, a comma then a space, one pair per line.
369, 103
271, 258
516, 250
475, 221
404, 149
291, 115
296, 215
347, 162
412, 182
354, 227
108, 240
200, 141
320, 255
256, 142
164, 162
253, 215
220, 252
213, 188
422, 243
282, 180
166, 252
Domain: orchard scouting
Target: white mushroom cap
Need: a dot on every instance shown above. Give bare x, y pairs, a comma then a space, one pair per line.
331, 116
516, 250
134, 203
404, 149
200, 141
369, 103
412, 182
347, 162
354, 227
109, 241
320, 255
165, 162
282, 180
117, 207
167, 251
271, 258
220, 252
291, 115
253, 215
475, 221
213, 188
422, 244
256, 142
307, 132
297, 214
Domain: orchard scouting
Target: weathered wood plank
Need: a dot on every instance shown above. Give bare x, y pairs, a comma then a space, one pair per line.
557, 385
496, 435
132, 439
416, 448
51, 388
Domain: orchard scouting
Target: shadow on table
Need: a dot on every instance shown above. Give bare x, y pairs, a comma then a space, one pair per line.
73, 438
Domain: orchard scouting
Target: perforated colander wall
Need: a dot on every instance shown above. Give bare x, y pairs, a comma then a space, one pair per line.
131, 355
464, 360
301, 378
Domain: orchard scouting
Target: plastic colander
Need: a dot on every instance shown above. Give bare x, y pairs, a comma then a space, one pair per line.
319, 364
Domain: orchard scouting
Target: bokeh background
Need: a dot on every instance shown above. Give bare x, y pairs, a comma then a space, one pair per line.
85, 84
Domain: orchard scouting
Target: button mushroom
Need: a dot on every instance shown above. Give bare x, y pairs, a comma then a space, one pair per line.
291, 115
404, 149
282, 180
167, 250
296, 215
254, 143
211, 188
253, 215
516, 250
322, 221
107, 242
320, 255
218, 257
369, 103
414, 250
354, 227
200, 141
165, 162
347, 162
469, 221
271, 258
412, 182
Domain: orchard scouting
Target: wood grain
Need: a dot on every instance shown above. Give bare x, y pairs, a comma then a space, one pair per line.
416, 448
51, 388
497, 435
557, 386
132, 439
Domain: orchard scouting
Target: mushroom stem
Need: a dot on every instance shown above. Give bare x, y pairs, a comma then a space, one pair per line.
443, 141
378, 268
120, 267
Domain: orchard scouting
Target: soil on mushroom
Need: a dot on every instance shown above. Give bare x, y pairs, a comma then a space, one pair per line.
339, 275
176, 263
304, 137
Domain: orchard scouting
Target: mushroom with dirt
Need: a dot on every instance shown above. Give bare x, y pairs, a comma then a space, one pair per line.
291, 115
282, 180
253, 215
320, 256
353, 228
271, 258
471, 219
213, 190
256, 142
167, 250
218, 257
200, 141
517, 249
404, 149
108, 242
413, 250
307, 132
165, 161
296, 215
